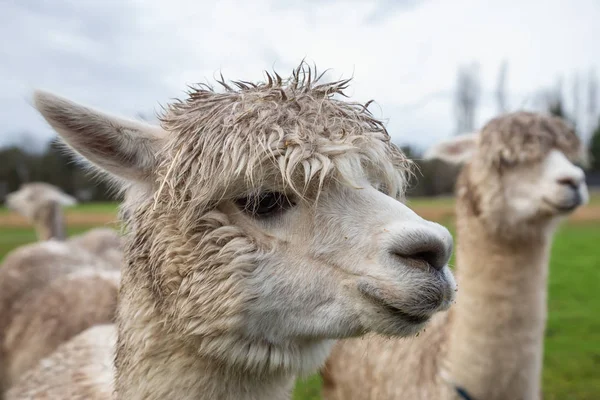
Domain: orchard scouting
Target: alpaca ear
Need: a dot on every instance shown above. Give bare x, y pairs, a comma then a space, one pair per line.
65, 200
457, 150
124, 148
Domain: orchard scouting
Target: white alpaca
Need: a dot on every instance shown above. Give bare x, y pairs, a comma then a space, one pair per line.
27, 270
62, 309
263, 225
519, 181
42, 204
64, 376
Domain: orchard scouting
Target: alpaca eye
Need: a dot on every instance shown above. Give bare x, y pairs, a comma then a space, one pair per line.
264, 204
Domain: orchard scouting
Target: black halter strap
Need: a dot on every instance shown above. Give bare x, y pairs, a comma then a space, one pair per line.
462, 393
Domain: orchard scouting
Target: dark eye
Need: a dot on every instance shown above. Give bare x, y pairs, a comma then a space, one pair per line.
264, 204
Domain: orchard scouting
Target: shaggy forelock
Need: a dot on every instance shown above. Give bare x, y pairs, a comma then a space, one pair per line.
526, 137
294, 132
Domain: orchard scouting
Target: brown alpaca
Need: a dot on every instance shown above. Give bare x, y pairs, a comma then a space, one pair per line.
53, 315
263, 223
517, 185
42, 204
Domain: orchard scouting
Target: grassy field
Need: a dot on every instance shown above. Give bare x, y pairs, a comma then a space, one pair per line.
572, 354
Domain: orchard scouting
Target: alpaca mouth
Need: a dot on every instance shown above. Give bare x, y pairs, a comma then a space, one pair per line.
562, 208
397, 313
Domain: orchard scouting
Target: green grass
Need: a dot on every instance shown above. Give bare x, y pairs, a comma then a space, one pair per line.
431, 201
98, 207
572, 358
95, 207
572, 353
595, 197
308, 389
11, 238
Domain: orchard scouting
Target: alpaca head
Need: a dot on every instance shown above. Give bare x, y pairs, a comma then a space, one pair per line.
521, 171
35, 196
265, 220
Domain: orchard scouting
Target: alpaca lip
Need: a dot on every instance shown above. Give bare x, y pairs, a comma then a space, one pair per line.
562, 208
395, 311
410, 318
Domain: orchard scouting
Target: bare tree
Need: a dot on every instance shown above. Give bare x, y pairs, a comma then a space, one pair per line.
466, 99
501, 88
551, 99
592, 102
576, 114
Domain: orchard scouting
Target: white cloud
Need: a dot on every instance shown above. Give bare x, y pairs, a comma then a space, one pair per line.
127, 56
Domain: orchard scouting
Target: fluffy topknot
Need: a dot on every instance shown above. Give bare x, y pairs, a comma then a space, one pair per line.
526, 137
294, 132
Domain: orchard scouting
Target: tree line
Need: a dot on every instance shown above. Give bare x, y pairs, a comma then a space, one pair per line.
52, 165
575, 99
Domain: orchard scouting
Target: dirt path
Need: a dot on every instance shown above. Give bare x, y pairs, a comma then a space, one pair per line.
439, 213
74, 218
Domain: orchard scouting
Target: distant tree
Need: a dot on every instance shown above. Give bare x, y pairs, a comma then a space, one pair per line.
576, 90
52, 165
501, 88
15, 168
594, 149
557, 108
410, 151
592, 101
551, 100
59, 168
466, 99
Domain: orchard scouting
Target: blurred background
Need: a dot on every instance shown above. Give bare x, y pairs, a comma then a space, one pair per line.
435, 69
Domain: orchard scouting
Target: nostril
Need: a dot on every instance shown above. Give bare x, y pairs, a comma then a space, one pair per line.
569, 181
424, 254
420, 244
429, 257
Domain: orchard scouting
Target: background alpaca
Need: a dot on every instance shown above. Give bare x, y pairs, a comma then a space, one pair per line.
42, 203
81, 368
31, 267
61, 310
237, 279
518, 182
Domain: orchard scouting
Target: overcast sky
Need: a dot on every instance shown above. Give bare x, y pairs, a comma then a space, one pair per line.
129, 56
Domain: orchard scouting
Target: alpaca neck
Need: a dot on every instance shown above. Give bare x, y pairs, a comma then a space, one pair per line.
154, 364
495, 343
49, 222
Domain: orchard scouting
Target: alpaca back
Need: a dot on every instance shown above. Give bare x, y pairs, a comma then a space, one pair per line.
31, 267
79, 369
63, 309
102, 242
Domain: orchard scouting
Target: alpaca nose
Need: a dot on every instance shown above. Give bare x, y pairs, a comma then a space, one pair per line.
572, 178
425, 245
